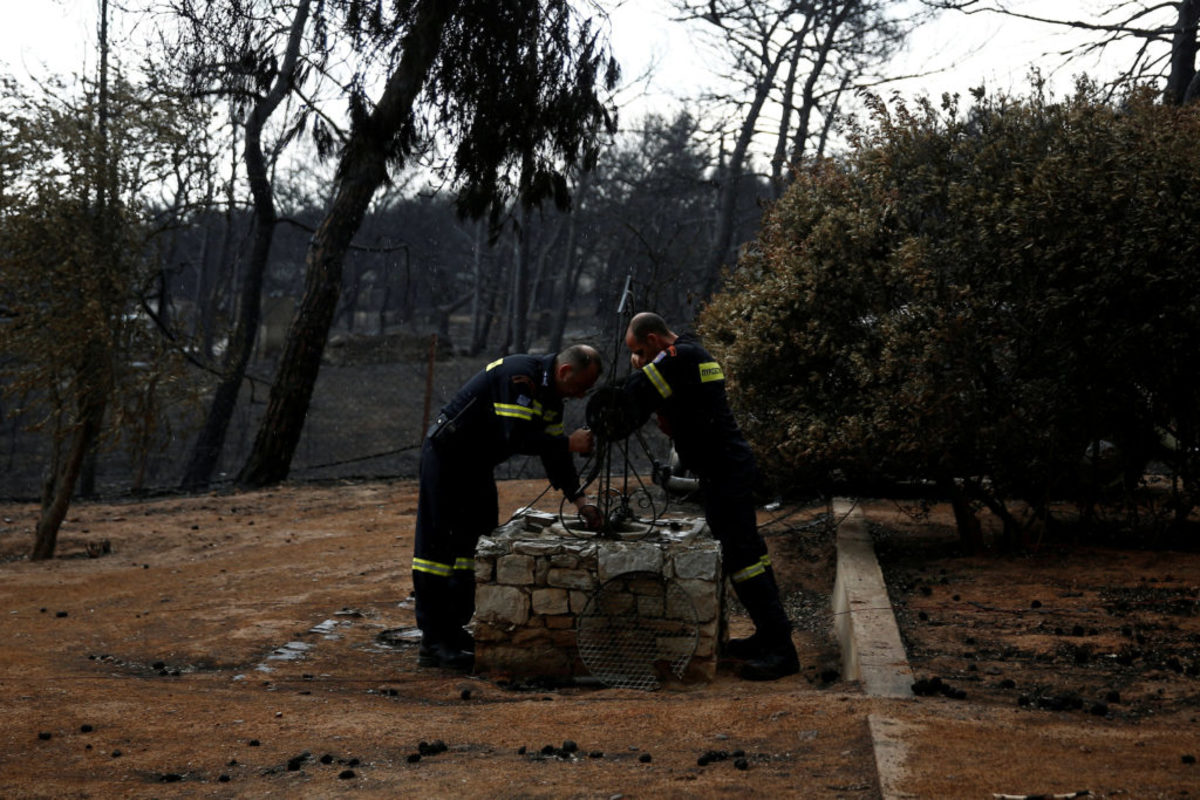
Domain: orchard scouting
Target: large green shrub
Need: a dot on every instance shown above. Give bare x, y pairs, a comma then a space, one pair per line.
978, 299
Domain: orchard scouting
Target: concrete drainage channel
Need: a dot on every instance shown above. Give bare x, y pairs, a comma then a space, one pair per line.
869, 638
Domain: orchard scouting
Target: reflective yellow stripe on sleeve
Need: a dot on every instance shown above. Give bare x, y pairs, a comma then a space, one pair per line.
555, 429
513, 410
656, 378
431, 567
464, 564
711, 371
493, 365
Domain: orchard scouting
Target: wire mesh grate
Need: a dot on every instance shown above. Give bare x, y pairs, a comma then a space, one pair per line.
637, 631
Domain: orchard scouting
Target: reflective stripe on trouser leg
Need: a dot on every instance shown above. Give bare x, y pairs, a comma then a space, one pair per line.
457, 504
734, 524
760, 567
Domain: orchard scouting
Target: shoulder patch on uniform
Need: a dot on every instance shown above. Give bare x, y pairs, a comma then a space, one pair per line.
711, 371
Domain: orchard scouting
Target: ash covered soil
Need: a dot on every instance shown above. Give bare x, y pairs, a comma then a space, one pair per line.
251, 644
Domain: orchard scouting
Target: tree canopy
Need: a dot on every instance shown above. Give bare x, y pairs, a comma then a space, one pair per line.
978, 297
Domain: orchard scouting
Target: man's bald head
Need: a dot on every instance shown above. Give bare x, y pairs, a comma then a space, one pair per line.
648, 322
576, 370
646, 337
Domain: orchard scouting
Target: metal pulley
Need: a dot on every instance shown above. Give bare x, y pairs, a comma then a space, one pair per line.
611, 414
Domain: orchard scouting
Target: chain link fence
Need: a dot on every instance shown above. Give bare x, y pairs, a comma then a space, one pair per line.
366, 422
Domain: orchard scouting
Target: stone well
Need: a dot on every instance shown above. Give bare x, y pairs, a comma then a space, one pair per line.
541, 589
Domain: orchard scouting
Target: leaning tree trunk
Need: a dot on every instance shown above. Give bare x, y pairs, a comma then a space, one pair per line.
95, 381
207, 450
362, 169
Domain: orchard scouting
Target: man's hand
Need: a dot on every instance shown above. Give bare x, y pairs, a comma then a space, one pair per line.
589, 514
636, 361
581, 441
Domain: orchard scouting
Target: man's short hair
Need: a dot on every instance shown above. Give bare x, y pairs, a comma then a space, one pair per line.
580, 357
646, 323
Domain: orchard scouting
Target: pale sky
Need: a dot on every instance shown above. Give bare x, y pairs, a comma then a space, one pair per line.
961, 51
57, 35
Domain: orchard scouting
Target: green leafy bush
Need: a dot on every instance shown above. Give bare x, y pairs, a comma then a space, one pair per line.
979, 299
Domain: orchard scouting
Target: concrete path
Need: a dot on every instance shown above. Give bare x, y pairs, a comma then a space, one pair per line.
866, 629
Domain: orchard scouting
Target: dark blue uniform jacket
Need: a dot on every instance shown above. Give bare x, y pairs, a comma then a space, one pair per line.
510, 407
686, 387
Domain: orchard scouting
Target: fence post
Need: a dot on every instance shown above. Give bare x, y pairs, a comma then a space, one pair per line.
429, 382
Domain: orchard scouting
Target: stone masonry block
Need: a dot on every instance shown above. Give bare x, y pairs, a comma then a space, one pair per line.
698, 564
571, 579
538, 548
633, 557
704, 599
485, 570
501, 604
551, 601
579, 601
515, 570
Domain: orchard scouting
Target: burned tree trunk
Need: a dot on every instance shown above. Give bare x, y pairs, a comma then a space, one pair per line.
362, 169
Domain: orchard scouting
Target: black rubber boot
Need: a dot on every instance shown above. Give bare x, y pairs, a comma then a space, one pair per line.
777, 660
463, 640
773, 655
437, 653
743, 649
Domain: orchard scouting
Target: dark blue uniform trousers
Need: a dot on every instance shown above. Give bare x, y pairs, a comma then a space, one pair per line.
456, 505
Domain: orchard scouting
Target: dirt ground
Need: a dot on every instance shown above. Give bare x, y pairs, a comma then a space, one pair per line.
253, 644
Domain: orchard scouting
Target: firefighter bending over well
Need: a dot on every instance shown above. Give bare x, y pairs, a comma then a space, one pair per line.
677, 378
515, 405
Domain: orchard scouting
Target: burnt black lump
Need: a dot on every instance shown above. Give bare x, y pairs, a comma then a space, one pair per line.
432, 748
928, 687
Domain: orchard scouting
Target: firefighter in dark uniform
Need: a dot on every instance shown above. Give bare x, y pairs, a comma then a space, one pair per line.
515, 405
677, 378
